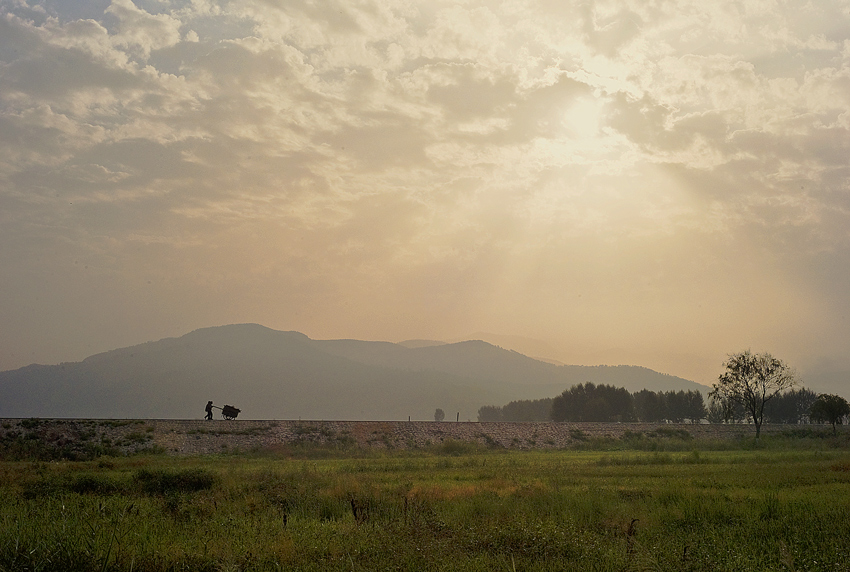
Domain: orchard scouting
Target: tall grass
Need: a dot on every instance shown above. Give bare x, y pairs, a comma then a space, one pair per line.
471, 510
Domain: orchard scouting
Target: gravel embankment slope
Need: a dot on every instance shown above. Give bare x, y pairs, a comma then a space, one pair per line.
191, 437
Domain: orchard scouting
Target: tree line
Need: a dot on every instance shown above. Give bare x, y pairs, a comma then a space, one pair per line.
601, 403
761, 387
754, 388
792, 407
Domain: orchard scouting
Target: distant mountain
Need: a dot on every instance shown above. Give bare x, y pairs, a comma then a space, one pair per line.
271, 374
537, 349
420, 343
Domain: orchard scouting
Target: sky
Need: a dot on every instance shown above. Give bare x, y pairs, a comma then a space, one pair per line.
647, 182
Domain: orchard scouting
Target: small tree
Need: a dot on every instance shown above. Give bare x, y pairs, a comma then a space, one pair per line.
439, 415
752, 380
830, 408
716, 412
488, 413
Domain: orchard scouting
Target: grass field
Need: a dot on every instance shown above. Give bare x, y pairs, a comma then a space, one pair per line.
781, 505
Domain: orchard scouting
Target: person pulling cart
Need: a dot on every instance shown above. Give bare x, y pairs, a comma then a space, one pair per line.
227, 412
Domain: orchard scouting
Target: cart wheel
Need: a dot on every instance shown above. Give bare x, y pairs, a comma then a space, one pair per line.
228, 417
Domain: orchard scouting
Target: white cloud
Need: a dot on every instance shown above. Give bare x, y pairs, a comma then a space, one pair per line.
140, 31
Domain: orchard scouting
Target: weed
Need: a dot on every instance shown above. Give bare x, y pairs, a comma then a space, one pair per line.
579, 435
31, 423
671, 433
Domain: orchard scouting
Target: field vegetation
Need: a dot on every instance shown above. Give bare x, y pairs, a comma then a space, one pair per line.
646, 502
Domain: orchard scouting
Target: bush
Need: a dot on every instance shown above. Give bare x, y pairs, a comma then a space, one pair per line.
56, 486
93, 484
455, 448
182, 481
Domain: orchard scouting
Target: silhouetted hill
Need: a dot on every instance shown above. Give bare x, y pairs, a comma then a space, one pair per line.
271, 374
420, 343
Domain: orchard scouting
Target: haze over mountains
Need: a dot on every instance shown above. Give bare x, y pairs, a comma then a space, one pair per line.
272, 374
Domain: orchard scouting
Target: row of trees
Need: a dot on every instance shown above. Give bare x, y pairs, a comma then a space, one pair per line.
759, 387
792, 407
754, 388
675, 406
525, 411
590, 402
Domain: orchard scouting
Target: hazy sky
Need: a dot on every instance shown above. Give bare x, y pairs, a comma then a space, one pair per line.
650, 182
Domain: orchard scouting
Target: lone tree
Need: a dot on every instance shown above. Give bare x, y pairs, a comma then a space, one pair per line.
752, 380
439, 415
830, 408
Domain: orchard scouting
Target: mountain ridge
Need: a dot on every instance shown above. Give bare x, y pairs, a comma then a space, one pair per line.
274, 374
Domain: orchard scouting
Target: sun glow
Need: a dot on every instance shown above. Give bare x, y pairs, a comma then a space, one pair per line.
583, 117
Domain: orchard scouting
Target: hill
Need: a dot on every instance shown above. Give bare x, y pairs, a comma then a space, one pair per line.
272, 374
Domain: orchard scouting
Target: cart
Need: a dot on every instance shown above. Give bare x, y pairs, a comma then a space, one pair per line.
228, 412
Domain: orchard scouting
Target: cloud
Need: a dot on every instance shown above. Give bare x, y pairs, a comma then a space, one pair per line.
595, 173
141, 32
609, 31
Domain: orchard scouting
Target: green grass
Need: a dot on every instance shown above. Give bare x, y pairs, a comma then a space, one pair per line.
456, 507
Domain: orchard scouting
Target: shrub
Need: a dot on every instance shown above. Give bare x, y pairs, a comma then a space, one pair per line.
456, 448
182, 481
93, 484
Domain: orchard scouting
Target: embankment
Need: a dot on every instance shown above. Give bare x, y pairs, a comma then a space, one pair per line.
192, 437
